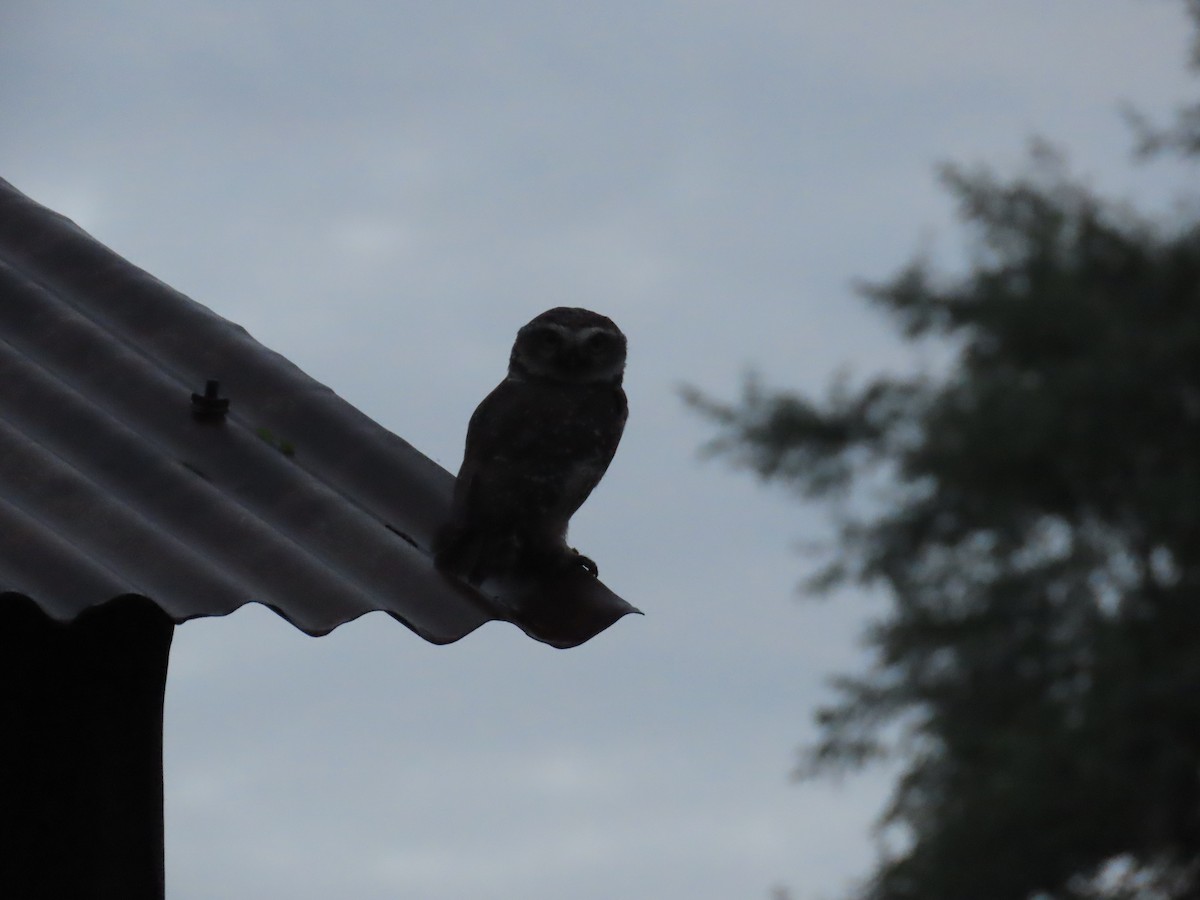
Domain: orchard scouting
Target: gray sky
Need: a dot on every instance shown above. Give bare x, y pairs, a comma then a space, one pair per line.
384, 192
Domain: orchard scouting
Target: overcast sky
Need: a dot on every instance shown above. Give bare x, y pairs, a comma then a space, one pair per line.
384, 192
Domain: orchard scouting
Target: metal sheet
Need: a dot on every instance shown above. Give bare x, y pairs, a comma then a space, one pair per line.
111, 485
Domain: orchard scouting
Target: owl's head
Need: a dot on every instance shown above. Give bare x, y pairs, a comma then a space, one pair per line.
571, 346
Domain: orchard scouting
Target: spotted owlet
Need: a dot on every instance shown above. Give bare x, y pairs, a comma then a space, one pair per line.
536, 447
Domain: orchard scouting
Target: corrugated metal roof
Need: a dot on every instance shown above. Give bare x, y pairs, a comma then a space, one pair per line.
111, 484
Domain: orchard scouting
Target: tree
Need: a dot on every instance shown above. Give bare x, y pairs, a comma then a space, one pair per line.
1039, 670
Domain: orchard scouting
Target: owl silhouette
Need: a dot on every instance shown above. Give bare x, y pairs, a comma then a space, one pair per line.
536, 447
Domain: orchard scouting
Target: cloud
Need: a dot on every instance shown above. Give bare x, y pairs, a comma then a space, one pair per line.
384, 193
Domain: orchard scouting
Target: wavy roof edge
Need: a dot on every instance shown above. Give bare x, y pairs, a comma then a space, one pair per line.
115, 482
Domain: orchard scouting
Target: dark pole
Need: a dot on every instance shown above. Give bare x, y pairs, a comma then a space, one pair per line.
81, 787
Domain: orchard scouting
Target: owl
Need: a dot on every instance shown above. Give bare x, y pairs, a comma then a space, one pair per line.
536, 447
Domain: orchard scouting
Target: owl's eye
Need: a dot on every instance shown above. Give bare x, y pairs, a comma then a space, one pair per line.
546, 339
599, 341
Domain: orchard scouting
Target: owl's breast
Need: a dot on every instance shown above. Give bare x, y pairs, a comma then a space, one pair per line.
539, 449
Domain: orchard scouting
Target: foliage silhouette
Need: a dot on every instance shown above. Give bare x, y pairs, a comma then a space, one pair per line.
1038, 673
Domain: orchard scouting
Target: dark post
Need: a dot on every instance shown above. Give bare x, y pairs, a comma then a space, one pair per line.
81, 713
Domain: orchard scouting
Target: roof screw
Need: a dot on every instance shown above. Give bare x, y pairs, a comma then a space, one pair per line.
210, 405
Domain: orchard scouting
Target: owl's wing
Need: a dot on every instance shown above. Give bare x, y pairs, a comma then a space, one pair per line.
498, 432
505, 424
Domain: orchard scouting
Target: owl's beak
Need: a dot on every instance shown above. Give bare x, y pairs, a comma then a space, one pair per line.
574, 361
